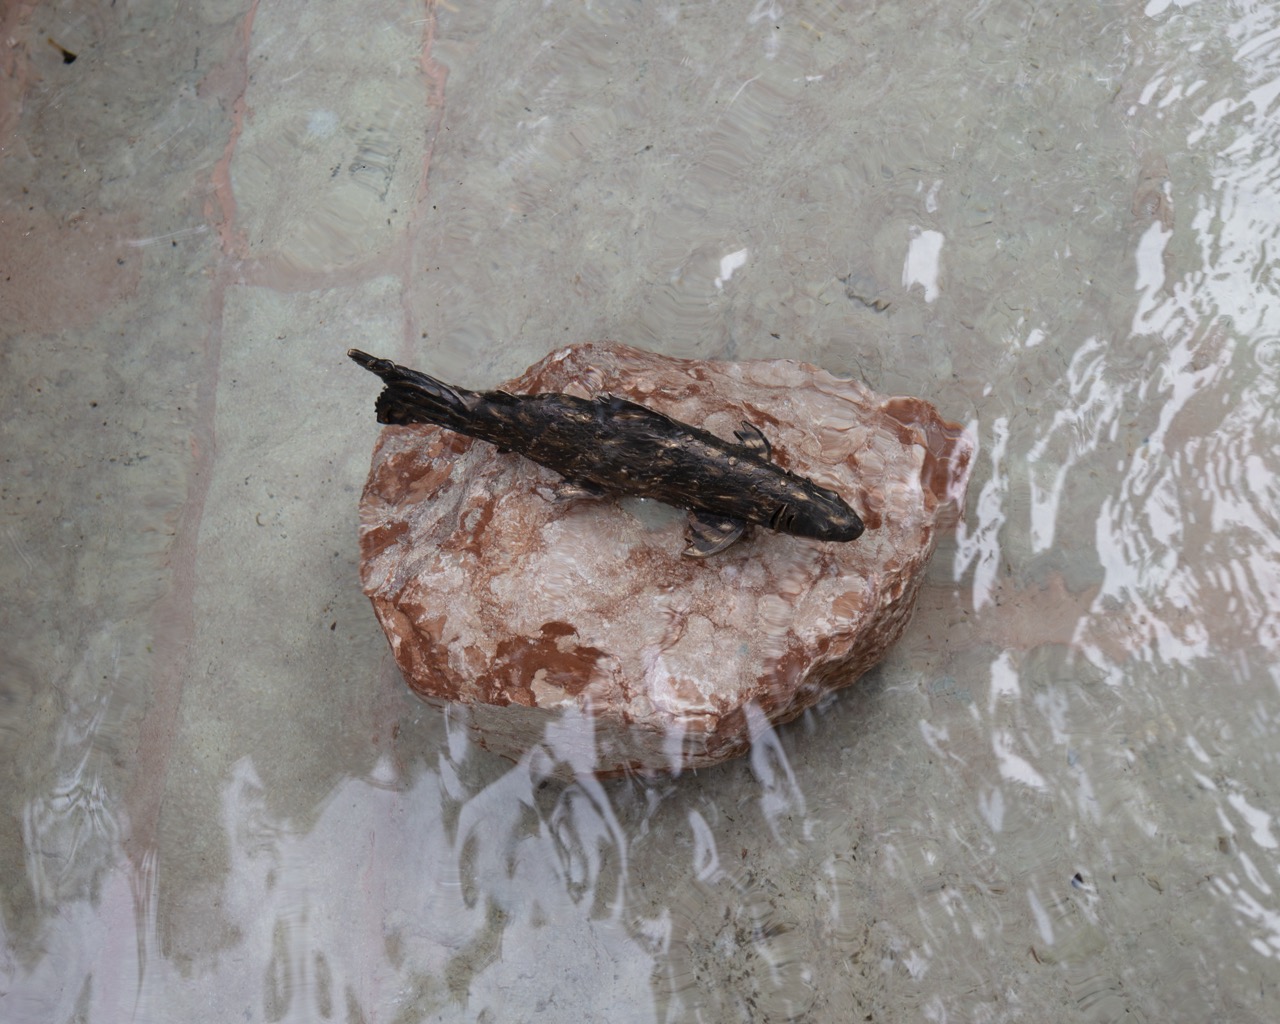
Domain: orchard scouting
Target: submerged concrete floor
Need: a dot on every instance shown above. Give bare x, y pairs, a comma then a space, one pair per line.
1056, 799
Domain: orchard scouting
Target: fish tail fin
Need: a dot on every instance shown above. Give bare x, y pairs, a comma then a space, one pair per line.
414, 397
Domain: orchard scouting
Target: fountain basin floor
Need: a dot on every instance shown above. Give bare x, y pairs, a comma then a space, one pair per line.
1055, 796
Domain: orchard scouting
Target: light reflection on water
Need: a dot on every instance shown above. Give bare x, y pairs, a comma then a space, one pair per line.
1055, 800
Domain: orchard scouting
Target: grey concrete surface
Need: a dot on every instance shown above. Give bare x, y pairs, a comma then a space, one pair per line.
1054, 801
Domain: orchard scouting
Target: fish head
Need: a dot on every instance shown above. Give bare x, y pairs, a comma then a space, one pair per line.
819, 513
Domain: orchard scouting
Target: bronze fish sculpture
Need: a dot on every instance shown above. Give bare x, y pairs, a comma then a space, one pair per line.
608, 445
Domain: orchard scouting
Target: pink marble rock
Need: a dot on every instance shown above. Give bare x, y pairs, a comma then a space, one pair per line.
576, 629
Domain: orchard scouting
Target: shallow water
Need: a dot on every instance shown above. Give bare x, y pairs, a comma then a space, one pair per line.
1055, 799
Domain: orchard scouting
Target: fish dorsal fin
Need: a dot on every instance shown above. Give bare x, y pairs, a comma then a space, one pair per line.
619, 408
570, 490
753, 438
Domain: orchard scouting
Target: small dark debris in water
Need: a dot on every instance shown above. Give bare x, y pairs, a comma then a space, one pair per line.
67, 56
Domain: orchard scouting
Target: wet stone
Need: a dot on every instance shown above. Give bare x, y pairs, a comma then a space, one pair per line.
573, 629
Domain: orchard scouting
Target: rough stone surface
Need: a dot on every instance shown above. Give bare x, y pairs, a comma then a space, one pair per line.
520, 606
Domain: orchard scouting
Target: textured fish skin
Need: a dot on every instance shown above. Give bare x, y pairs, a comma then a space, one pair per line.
613, 446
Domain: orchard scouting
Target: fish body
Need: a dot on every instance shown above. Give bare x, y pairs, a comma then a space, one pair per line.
609, 445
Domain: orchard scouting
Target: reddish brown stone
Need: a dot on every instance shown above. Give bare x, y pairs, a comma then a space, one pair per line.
577, 627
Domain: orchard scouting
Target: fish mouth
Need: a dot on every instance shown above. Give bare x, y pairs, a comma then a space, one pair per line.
844, 525
852, 530
835, 525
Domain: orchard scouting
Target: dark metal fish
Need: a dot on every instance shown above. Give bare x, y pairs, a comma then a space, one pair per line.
609, 445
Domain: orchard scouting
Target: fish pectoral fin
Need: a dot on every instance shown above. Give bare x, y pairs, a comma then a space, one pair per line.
752, 437
709, 535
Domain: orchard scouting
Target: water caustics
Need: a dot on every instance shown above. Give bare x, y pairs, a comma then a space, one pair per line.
1057, 797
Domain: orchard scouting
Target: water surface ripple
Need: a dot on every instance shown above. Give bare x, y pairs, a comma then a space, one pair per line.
1055, 800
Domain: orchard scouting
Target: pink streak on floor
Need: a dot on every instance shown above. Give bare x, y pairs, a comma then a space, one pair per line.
58, 272
174, 630
230, 83
16, 71
62, 273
